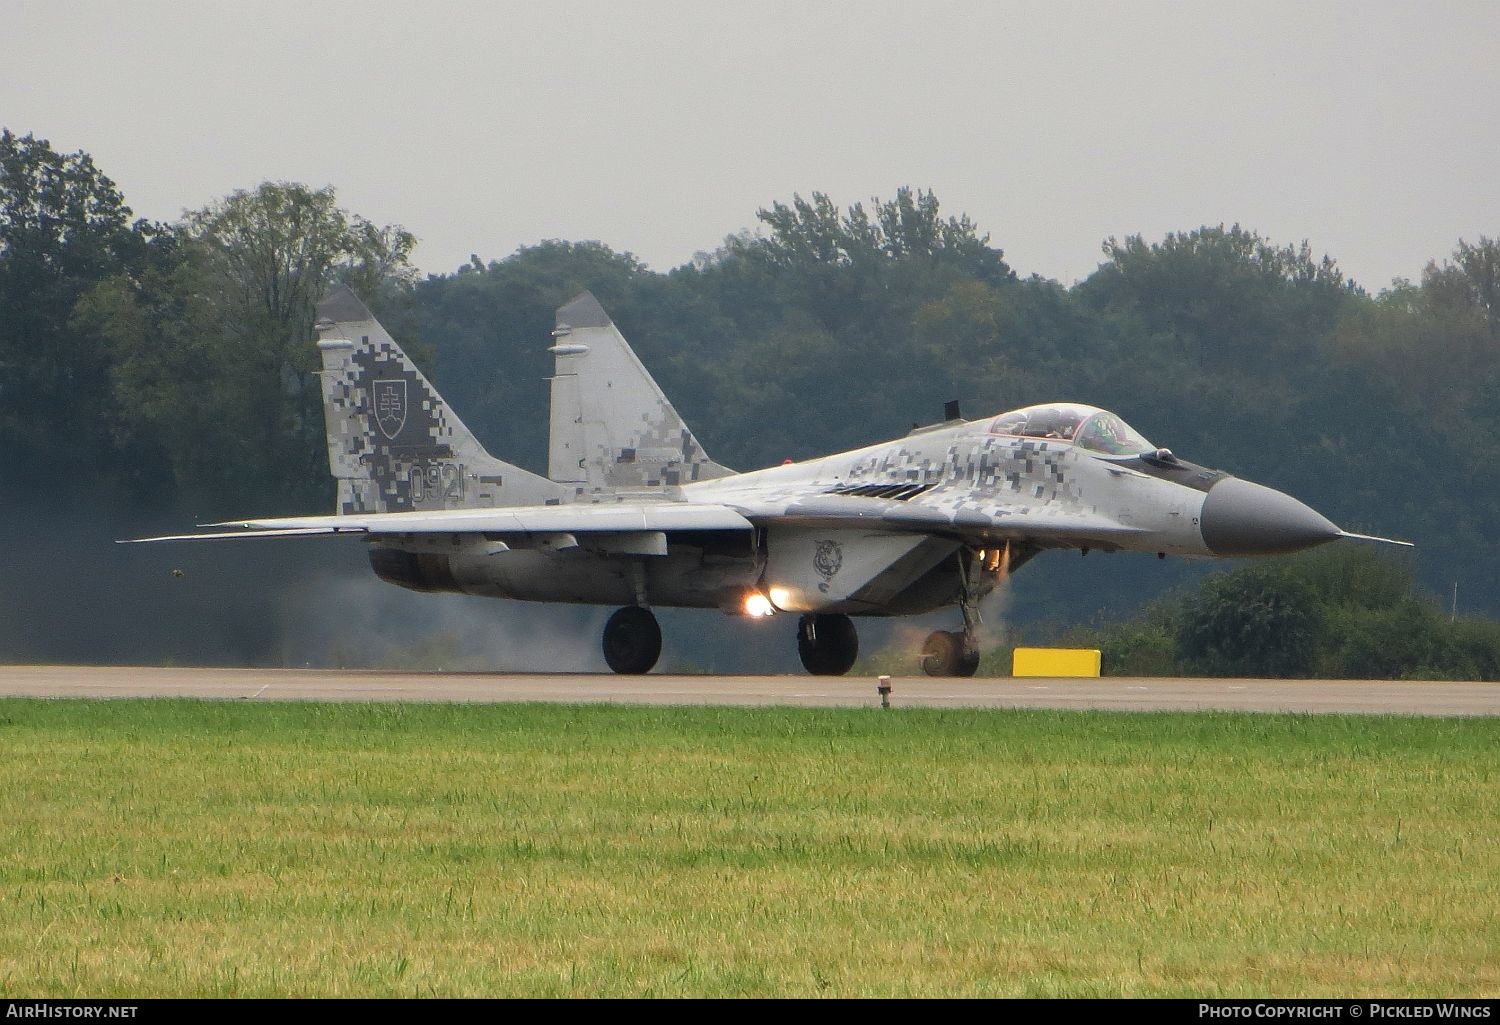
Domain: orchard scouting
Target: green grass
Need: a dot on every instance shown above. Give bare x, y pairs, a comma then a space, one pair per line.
174, 848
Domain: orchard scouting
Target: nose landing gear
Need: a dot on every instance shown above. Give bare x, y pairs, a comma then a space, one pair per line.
955, 652
948, 653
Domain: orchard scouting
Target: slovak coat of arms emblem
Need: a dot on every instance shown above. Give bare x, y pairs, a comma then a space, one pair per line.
390, 407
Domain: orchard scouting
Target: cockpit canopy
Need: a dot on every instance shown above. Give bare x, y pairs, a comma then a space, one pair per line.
1086, 426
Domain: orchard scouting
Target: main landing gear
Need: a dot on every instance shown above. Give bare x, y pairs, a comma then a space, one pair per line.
828, 643
632, 640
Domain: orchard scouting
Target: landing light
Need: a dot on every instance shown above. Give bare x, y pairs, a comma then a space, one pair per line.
757, 604
780, 596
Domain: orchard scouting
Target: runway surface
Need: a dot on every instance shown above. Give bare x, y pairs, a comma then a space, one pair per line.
1114, 693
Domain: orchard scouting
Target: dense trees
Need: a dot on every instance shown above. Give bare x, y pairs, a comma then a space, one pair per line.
261, 261
150, 360
64, 226
1344, 612
166, 363
1254, 623
175, 360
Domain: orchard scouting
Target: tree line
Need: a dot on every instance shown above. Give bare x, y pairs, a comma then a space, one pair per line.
1341, 613
163, 365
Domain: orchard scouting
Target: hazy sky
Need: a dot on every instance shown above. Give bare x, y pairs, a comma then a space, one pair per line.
1369, 129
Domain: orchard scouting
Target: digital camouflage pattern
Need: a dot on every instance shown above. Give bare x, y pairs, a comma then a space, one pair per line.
393, 444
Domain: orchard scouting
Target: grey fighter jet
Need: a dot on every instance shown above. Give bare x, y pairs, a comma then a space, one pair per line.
634, 513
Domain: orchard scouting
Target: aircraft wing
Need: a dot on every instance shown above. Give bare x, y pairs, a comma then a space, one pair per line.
616, 518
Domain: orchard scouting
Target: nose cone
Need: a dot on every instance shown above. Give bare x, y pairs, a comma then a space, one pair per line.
1241, 518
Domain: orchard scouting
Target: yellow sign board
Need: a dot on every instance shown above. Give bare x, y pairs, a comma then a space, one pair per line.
1055, 662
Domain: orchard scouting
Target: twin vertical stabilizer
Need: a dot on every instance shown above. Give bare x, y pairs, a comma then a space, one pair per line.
612, 428
395, 446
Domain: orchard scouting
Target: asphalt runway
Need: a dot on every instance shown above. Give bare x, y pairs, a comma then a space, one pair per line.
1383, 697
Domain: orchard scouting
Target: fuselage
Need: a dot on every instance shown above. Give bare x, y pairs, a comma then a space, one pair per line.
894, 528
978, 479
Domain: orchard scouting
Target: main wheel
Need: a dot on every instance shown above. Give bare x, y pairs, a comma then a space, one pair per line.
945, 654
828, 644
632, 640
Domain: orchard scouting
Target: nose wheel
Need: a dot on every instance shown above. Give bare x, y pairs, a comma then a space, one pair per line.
948, 653
632, 640
828, 644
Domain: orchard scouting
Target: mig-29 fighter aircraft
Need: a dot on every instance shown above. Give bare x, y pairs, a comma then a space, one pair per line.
634, 513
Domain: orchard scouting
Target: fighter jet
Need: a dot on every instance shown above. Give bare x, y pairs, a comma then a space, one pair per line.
633, 512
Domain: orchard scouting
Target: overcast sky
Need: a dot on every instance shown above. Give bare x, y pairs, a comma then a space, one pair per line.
1369, 129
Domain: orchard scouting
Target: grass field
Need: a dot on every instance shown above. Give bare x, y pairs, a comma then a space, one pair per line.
174, 848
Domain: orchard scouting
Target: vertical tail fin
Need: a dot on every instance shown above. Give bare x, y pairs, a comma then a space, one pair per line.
612, 428
393, 444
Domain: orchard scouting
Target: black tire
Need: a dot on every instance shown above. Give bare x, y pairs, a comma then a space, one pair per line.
945, 654
828, 644
632, 640
969, 664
